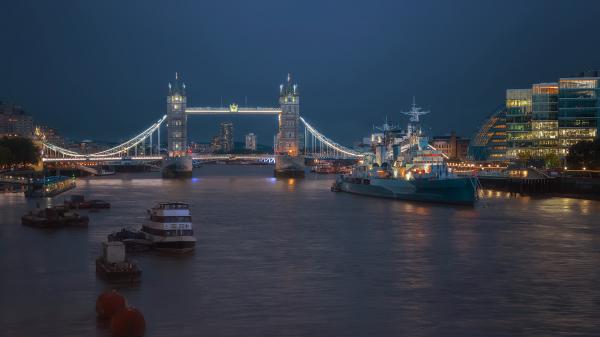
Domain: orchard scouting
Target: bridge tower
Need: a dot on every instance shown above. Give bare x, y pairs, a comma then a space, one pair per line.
176, 118
289, 162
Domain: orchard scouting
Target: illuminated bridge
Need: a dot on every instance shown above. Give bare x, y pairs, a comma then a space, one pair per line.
146, 145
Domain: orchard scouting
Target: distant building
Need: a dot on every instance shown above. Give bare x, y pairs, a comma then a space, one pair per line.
51, 135
251, 142
453, 146
227, 137
15, 122
200, 147
216, 145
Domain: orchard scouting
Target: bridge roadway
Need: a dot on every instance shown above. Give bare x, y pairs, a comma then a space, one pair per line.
270, 158
232, 110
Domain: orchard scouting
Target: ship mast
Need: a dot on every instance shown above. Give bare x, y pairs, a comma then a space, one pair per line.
414, 114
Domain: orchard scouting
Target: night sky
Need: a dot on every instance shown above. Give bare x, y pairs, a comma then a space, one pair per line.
100, 69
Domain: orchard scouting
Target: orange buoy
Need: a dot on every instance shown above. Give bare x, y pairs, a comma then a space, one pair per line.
109, 303
128, 322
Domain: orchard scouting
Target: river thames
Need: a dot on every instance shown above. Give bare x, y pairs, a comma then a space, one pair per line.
290, 258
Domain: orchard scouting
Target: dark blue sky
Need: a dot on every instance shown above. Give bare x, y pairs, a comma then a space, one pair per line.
99, 69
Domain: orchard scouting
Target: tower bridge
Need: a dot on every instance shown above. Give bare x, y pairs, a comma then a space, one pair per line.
289, 150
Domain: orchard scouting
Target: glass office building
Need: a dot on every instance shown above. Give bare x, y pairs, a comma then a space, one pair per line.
578, 110
489, 143
544, 120
518, 121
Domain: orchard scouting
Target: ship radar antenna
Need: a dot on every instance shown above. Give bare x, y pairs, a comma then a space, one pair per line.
414, 112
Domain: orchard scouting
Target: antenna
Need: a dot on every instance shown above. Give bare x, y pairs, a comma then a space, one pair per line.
414, 112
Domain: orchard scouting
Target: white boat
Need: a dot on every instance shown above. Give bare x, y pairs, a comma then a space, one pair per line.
169, 227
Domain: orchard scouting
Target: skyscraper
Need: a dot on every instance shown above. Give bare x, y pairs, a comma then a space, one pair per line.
227, 137
251, 142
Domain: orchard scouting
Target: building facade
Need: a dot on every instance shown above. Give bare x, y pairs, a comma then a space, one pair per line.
544, 120
226, 136
215, 144
578, 110
15, 122
518, 121
489, 143
453, 146
250, 142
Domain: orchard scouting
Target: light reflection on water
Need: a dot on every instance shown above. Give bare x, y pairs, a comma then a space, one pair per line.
288, 257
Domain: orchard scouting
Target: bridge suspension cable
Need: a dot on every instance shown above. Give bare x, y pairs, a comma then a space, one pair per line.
114, 151
322, 146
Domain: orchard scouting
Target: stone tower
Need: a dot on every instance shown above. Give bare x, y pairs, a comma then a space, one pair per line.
288, 160
288, 138
176, 118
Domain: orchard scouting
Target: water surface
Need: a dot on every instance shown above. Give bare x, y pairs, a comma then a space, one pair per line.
290, 258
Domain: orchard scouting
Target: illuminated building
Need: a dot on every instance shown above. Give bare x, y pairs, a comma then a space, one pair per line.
215, 145
51, 135
226, 137
251, 142
544, 121
518, 121
453, 146
489, 143
14, 121
578, 109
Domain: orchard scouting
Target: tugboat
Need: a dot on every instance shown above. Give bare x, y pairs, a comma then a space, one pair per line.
114, 267
53, 218
406, 167
134, 240
170, 227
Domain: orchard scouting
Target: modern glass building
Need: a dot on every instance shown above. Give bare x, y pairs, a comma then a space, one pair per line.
544, 120
578, 110
489, 143
518, 121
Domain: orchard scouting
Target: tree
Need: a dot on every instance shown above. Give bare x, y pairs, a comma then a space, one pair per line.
524, 157
584, 154
551, 160
18, 151
5, 156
